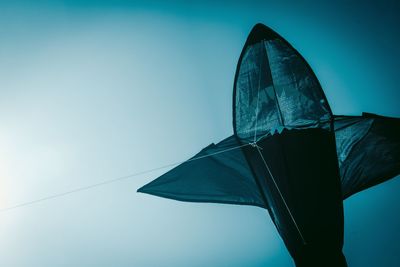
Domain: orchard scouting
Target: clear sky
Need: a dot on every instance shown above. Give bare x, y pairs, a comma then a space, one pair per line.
93, 90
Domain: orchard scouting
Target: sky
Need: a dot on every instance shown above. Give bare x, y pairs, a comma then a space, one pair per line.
95, 90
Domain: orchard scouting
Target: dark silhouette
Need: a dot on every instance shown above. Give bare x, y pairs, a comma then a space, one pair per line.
289, 153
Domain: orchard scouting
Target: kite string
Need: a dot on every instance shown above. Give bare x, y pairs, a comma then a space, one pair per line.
109, 181
254, 144
279, 191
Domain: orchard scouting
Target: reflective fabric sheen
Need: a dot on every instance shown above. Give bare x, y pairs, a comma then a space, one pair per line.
275, 89
257, 111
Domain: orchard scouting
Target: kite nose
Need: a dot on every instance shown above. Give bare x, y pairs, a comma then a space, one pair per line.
261, 32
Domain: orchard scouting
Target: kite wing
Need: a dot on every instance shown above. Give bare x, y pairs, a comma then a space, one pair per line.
368, 149
218, 173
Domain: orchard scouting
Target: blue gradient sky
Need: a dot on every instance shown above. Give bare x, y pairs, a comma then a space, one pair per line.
92, 90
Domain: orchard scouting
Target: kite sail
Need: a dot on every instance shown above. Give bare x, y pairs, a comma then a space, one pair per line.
289, 154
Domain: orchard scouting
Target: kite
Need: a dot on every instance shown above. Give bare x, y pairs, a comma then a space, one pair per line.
288, 153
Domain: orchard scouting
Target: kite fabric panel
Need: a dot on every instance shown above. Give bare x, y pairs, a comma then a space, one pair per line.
275, 88
368, 149
218, 173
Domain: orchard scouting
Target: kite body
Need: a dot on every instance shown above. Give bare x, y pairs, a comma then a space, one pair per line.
307, 212
280, 108
289, 153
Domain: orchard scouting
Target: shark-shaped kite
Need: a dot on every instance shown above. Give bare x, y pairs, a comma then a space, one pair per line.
289, 153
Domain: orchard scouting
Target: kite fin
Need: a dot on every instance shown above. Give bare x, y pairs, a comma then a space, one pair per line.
218, 174
368, 149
